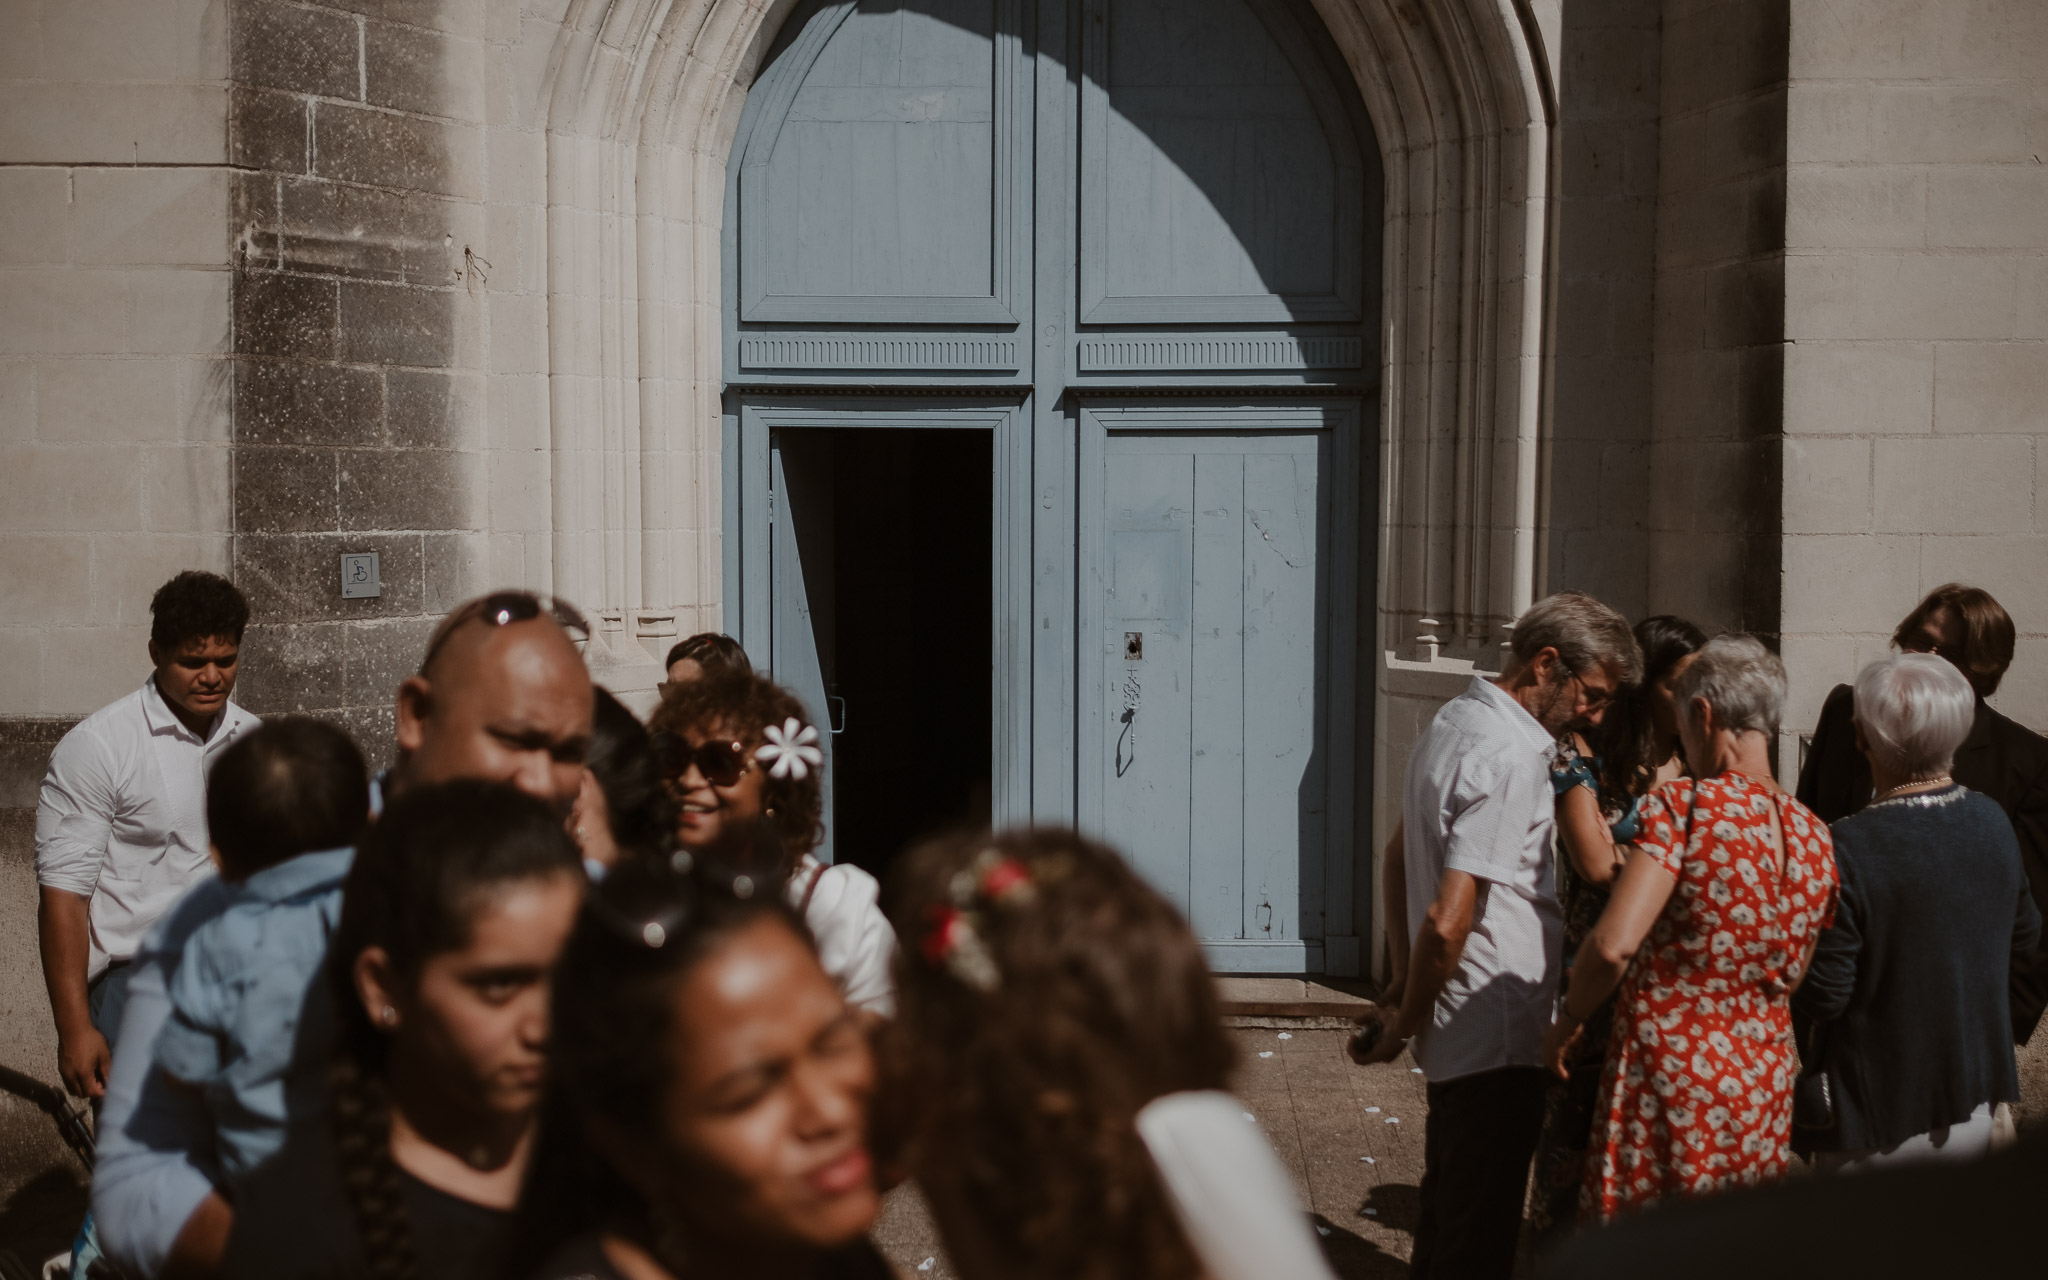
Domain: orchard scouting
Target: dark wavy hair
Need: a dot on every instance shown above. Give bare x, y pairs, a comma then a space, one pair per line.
711, 650
1018, 1105
642, 813
427, 865
196, 605
612, 1045
1626, 742
296, 785
743, 704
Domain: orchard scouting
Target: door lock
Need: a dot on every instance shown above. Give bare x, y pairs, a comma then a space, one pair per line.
1134, 646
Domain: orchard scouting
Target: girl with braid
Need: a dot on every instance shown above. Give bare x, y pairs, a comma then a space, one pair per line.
453, 916
709, 1100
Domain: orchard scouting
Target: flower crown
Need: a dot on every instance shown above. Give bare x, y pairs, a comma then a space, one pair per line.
790, 749
954, 941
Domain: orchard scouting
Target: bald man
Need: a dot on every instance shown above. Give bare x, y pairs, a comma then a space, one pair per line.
502, 694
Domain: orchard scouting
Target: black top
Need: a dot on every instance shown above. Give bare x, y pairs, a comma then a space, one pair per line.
293, 1222
583, 1258
1909, 985
1979, 1218
2001, 759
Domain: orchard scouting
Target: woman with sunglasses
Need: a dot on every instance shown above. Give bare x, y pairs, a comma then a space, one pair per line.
738, 756
456, 909
709, 1098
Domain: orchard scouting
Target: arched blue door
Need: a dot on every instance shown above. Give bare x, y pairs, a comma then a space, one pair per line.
1135, 243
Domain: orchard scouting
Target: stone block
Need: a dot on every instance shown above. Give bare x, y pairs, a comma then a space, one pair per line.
127, 570
425, 71
411, 489
1744, 136
1994, 207
515, 166
269, 132
289, 667
1814, 664
280, 489
1745, 303
397, 324
1845, 388
187, 489
47, 122
286, 315
381, 148
457, 17
85, 668
516, 411
1911, 296
519, 491
21, 683
180, 311
378, 656
2031, 306
1887, 39
435, 410
1954, 484
519, 333
297, 578
2023, 694
150, 217
457, 569
362, 232
34, 206
1827, 485
375, 730
17, 399
57, 311
85, 401
1991, 386
300, 402
122, 40
47, 578
1860, 207
1837, 583
1835, 122
296, 49
2010, 568
97, 488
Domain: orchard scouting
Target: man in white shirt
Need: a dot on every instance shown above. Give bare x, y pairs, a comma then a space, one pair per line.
1476, 902
121, 823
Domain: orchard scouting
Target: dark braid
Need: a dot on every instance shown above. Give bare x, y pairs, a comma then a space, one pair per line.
420, 876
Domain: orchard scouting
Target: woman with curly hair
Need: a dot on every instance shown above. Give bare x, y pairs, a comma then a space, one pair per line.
1059, 1075
739, 758
455, 911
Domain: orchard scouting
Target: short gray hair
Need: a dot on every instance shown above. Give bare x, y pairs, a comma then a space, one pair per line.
1741, 680
1584, 632
1915, 709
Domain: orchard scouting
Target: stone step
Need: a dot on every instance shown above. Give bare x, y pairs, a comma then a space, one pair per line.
1262, 1001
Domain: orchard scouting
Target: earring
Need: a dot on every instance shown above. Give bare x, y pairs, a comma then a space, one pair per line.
389, 1017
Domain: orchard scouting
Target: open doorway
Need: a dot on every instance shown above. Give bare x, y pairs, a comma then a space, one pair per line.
893, 530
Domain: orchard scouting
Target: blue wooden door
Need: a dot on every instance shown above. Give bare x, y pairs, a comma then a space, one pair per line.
1146, 233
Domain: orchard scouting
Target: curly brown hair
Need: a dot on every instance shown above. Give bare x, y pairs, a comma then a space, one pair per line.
742, 704
1015, 1092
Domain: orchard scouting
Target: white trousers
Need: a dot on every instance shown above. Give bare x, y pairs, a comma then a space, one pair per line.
1965, 1141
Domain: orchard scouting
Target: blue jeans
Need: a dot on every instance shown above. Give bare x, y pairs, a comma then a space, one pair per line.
105, 997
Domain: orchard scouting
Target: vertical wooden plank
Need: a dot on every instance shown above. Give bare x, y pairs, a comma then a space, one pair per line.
1150, 697
1061, 436
1284, 791
1216, 764
795, 644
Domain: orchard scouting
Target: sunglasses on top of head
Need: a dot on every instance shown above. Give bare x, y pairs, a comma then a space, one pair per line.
721, 763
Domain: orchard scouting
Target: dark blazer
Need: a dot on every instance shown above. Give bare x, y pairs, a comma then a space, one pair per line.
1909, 985
2002, 759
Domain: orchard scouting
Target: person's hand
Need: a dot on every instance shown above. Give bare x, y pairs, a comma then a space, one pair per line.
1561, 1043
1386, 1048
83, 1060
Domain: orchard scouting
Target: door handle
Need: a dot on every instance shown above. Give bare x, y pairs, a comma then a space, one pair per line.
835, 708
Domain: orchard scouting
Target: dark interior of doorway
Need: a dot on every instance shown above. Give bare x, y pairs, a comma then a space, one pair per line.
904, 620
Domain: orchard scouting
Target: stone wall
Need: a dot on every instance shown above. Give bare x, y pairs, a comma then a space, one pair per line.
114, 319
1719, 323
1916, 319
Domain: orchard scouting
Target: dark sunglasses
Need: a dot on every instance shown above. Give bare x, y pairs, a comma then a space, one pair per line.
721, 763
503, 608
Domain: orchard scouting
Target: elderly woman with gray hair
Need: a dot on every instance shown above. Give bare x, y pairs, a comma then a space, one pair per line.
1711, 925
1914, 1046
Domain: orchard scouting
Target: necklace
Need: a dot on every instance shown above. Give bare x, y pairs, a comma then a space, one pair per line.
1904, 787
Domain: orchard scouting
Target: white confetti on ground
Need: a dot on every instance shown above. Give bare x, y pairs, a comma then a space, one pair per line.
1372, 1213
1415, 1071
1249, 1116
1368, 1159
926, 1265
1393, 1119
1372, 1111
1287, 1035
1266, 1053
1322, 1230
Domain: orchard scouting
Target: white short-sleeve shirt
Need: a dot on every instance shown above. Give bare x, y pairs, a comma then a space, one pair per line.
842, 906
1478, 800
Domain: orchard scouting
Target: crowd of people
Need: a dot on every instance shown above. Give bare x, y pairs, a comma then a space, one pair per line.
565, 994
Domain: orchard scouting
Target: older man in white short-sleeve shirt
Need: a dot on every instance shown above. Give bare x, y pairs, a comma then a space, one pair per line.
1477, 903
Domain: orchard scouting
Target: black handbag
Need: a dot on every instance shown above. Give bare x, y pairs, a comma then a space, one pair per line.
1813, 1101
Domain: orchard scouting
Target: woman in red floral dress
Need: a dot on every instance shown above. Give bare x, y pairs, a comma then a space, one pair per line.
1713, 921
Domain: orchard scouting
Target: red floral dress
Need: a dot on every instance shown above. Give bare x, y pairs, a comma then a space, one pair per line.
1697, 1091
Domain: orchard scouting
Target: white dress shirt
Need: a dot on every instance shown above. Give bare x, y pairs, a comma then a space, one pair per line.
1478, 800
855, 943
122, 817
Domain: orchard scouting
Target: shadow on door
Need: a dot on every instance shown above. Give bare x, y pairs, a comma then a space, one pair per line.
895, 529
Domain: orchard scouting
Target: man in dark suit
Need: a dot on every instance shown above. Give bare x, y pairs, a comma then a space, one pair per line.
2001, 758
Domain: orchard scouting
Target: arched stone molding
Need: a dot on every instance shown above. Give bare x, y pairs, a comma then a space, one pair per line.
642, 99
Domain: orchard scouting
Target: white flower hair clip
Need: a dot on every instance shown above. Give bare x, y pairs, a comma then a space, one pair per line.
790, 750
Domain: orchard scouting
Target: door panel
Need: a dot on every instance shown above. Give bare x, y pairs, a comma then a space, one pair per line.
802, 575
1215, 555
